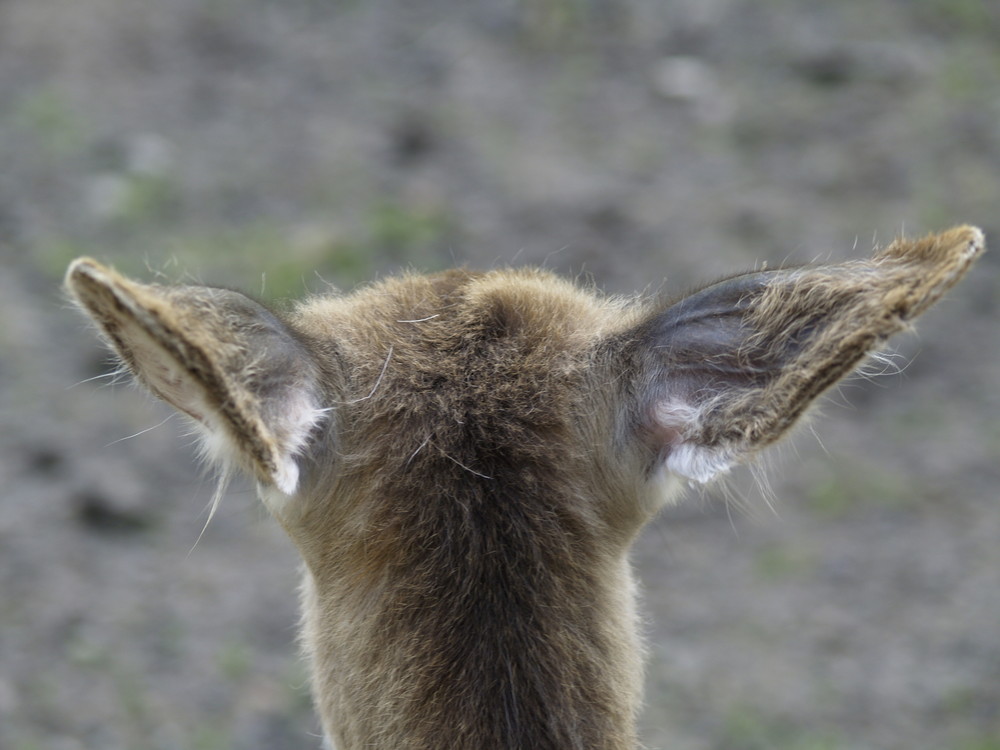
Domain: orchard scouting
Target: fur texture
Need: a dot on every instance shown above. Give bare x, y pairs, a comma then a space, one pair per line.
463, 460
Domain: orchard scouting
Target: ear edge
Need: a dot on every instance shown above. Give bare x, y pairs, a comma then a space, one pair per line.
232, 430
702, 437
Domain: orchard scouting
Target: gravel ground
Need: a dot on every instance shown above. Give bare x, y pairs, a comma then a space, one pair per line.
282, 147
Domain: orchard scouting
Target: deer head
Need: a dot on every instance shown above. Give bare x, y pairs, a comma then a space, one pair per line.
464, 458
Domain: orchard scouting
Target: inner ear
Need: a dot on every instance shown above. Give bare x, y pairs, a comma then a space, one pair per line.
729, 370
218, 356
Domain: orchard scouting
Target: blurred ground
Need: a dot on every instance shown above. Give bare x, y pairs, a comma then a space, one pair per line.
282, 146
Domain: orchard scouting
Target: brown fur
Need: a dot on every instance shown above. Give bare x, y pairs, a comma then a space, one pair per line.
463, 460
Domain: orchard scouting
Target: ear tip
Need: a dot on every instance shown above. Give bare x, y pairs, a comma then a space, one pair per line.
966, 238
82, 265
959, 245
85, 271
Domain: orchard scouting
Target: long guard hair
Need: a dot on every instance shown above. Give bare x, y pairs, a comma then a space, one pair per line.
463, 460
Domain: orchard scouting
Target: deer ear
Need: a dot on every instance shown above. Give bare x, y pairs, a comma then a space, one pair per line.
217, 356
730, 369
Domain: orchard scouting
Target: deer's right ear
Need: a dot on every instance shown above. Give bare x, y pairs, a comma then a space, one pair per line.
728, 370
219, 357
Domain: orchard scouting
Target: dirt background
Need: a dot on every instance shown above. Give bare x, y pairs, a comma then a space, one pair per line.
282, 146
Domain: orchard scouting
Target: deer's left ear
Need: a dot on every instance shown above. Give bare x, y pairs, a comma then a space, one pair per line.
729, 370
219, 357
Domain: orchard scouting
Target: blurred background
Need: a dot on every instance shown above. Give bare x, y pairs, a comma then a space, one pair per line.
284, 147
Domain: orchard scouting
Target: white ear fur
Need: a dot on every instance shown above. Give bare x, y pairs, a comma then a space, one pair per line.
300, 417
676, 422
219, 449
291, 424
731, 369
220, 358
698, 463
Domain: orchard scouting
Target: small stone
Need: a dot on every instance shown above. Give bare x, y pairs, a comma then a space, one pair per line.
100, 513
691, 81
684, 78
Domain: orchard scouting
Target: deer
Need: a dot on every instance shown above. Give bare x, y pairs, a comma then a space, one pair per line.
464, 459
